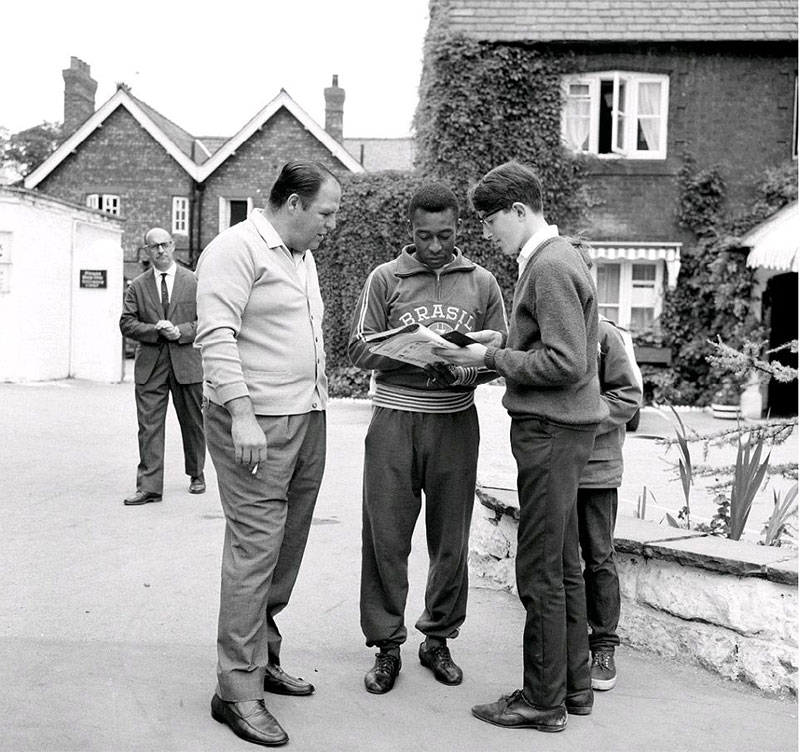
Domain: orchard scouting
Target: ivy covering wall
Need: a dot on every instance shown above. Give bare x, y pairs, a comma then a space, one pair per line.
480, 105
713, 297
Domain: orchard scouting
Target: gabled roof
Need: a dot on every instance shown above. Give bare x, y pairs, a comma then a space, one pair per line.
628, 21
198, 157
262, 116
382, 153
121, 98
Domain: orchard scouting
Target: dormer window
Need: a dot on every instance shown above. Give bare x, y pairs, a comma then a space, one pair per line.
616, 114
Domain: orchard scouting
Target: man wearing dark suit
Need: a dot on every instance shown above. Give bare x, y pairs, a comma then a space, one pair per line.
160, 313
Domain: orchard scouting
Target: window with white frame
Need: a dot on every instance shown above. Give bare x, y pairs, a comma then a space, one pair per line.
106, 202
616, 114
180, 215
629, 292
233, 210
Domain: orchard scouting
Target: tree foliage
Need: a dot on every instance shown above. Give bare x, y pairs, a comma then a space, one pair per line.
28, 148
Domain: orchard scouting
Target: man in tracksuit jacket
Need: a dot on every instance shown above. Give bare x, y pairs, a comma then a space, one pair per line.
423, 436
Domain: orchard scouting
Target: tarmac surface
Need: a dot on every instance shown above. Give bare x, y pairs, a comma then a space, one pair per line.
107, 639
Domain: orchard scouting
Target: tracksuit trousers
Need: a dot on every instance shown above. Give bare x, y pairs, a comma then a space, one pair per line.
550, 459
407, 453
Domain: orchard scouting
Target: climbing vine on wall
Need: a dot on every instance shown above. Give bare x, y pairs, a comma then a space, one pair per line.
713, 296
483, 104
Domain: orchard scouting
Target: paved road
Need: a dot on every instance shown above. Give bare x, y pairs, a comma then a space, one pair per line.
109, 613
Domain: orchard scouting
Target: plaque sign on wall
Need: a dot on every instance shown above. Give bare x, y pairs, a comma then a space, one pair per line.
94, 279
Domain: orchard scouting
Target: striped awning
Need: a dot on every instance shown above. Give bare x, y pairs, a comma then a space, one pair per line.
636, 251
670, 253
774, 243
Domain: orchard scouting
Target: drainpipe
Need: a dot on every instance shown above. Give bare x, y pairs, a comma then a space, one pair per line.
196, 239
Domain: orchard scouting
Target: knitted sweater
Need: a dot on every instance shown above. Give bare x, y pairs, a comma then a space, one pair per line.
623, 395
550, 358
259, 327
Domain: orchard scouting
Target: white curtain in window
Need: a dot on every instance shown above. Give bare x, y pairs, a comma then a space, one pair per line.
578, 117
649, 113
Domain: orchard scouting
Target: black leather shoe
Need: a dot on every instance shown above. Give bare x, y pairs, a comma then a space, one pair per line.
197, 484
514, 711
380, 678
438, 660
142, 497
277, 681
249, 720
580, 702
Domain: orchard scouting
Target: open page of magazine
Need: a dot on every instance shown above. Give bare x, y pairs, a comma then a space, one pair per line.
414, 344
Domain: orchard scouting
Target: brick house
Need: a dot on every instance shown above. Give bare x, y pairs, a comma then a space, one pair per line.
129, 160
649, 82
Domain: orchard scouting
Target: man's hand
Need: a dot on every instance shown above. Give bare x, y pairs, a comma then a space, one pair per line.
440, 373
168, 330
463, 356
249, 441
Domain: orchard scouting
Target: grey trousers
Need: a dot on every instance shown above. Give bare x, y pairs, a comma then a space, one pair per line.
152, 399
268, 515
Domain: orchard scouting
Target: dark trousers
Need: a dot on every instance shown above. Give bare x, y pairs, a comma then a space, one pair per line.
267, 520
407, 453
597, 515
550, 459
152, 399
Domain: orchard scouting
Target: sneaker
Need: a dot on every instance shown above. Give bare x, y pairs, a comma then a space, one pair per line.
380, 678
604, 673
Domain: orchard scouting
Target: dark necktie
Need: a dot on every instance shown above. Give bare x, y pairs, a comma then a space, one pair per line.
164, 293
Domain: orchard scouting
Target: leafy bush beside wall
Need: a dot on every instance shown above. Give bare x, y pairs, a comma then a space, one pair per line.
713, 297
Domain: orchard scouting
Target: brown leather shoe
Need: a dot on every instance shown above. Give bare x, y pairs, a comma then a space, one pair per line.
142, 497
249, 720
580, 702
438, 660
514, 711
277, 681
380, 678
197, 484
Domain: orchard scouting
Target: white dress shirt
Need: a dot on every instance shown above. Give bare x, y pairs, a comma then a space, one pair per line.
533, 243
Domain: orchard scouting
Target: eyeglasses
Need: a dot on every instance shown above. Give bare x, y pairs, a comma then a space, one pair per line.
156, 246
485, 217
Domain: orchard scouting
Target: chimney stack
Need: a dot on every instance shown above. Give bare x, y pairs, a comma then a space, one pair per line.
79, 89
334, 109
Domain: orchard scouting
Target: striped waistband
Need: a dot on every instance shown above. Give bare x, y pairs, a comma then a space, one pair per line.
419, 401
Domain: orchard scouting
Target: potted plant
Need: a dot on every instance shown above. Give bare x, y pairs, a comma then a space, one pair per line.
726, 402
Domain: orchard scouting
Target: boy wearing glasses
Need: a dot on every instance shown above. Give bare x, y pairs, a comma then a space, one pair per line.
423, 436
549, 361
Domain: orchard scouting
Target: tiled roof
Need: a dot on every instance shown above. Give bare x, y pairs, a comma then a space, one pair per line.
376, 154
181, 138
623, 20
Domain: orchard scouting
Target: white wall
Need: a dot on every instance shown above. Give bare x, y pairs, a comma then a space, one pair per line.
39, 290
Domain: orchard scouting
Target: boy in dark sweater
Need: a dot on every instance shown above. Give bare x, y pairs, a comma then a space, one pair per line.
597, 502
549, 362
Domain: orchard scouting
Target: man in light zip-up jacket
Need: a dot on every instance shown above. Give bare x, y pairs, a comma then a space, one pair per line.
260, 334
423, 436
